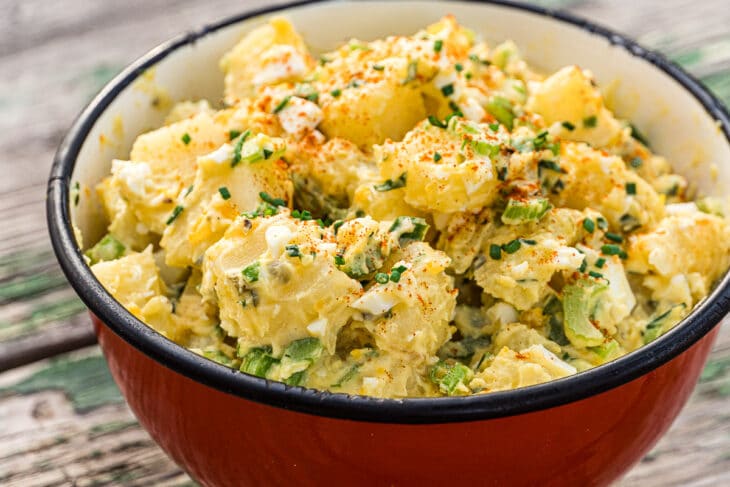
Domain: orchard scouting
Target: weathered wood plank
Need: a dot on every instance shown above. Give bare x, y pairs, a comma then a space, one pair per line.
64, 423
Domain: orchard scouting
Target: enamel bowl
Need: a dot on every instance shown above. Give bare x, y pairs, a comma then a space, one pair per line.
227, 428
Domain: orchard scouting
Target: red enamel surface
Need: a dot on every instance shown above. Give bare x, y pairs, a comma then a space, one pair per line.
222, 440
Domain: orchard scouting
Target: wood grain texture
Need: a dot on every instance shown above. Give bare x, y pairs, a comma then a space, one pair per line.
61, 420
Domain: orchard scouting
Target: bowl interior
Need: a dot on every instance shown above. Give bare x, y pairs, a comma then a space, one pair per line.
675, 121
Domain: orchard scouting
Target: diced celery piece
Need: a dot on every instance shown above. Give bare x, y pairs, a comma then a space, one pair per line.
657, 325
579, 303
108, 248
347, 376
519, 211
608, 350
451, 377
409, 229
304, 349
713, 206
501, 109
258, 361
298, 356
218, 356
295, 379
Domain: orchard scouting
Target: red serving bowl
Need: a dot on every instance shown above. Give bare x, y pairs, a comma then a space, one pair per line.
228, 428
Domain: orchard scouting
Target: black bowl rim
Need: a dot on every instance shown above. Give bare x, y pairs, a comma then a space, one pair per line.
701, 320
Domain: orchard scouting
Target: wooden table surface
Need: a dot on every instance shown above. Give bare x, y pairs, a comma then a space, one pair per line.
62, 419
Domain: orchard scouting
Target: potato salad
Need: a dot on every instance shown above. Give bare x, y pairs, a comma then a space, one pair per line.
422, 215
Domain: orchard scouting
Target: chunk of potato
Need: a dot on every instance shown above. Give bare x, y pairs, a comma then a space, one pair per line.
268, 55
275, 281
569, 95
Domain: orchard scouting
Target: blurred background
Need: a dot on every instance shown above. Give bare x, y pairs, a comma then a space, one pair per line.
62, 420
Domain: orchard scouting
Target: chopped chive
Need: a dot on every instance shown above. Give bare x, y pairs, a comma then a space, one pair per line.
549, 165
636, 162
251, 272
225, 194
589, 226
77, 193
614, 237
336, 225
602, 223
267, 153
468, 76
436, 122
436, 157
293, 250
629, 223
175, 213
568, 126
635, 133
337, 92
186, 138
630, 188
389, 184
494, 127
238, 147
583, 266
528, 241
378, 67
456, 109
502, 173
447, 90
394, 275
438, 45
600, 262
412, 72
339, 260
266, 197
595, 274
233, 134
459, 67
381, 278
495, 251
189, 190
282, 104
313, 97
512, 247
590, 122
611, 249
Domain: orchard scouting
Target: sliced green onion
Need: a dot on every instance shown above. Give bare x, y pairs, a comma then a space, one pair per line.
108, 248
521, 211
225, 194
251, 271
237, 148
501, 109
